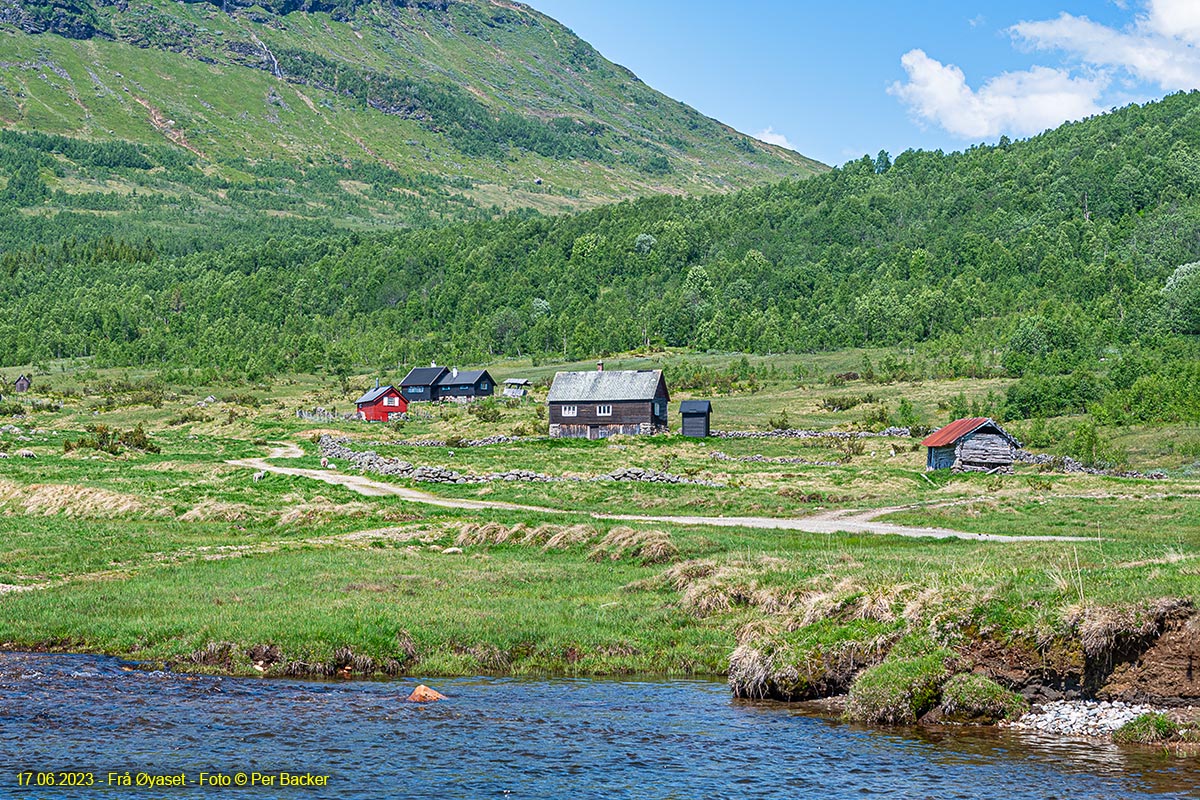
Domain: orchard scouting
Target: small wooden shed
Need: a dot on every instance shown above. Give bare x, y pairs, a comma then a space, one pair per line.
696, 415
975, 444
516, 388
22, 384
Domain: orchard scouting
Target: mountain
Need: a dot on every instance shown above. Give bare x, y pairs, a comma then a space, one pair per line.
352, 113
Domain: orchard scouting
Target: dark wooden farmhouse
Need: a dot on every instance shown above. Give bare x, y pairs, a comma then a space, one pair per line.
381, 404
22, 384
421, 382
975, 444
463, 384
696, 415
595, 405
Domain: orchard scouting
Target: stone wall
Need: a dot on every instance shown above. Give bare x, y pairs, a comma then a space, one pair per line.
372, 462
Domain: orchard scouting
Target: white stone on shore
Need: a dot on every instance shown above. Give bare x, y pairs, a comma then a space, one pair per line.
1082, 717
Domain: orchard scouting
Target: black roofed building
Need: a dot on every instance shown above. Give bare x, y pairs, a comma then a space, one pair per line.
22, 384
595, 405
459, 384
696, 415
421, 383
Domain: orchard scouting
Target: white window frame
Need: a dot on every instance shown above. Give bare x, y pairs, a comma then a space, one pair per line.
570, 411
391, 402
603, 411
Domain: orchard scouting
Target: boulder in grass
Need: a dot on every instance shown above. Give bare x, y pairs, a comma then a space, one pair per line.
423, 694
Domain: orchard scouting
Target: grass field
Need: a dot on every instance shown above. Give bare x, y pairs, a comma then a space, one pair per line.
178, 556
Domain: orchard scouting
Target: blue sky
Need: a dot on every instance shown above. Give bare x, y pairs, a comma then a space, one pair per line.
841, 78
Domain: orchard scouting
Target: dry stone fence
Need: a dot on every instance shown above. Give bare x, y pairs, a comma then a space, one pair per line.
372, 462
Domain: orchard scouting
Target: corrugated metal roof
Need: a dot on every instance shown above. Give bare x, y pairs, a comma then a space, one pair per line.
960, 428
422, 376
374, 394
517, 381
615, 385
695, 407
465, 377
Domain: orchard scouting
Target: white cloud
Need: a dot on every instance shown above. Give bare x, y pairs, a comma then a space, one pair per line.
1021, 103
1159, 47
1176, 19
771, 137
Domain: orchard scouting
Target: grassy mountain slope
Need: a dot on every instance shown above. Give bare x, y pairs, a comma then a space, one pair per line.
460, 105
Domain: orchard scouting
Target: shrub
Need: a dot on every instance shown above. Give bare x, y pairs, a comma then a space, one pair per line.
112, 440
1147, 729
977, 699
779, 422
188, 415
1089, 445
11, 410
899, 691
845, 402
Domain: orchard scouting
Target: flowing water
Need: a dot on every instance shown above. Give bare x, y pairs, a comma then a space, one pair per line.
511, 738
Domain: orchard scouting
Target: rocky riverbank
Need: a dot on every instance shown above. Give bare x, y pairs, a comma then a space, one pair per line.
1081, 717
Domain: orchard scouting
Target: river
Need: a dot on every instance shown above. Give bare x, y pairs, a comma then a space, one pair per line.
511, 738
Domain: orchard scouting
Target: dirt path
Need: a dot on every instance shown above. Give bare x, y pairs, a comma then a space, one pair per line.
843, 521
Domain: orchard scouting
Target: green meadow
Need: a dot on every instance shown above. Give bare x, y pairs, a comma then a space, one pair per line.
169, 554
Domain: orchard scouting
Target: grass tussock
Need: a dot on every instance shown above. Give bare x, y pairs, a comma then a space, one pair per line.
750, 673
210, 510
968, 698
317, 510
899, 691
69, 500
1154, 728
546, 536
1104, 630
651, 546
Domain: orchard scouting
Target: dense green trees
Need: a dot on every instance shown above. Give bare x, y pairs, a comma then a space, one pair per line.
1054, 260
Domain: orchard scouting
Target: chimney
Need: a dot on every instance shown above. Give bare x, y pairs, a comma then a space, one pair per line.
433, 363
377, 383
599, 366
454, 372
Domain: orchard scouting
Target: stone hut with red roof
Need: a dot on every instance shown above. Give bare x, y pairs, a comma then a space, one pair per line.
975, 444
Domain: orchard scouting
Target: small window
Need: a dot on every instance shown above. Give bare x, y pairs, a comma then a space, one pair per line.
413, 390
484, 386
570, 411
391, 401
603, 411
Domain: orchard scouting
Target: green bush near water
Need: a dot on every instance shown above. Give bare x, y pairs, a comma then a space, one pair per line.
898, 691
1147, 729
971, 698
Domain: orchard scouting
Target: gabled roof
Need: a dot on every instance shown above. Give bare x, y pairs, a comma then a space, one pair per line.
516, 381
614, 385
374, 394
464, 377
695, 407
962, 427
423, 376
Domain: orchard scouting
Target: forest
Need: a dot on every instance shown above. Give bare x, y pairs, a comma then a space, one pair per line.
1066, 261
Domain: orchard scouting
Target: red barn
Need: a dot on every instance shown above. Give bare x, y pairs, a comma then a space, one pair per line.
381, 404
